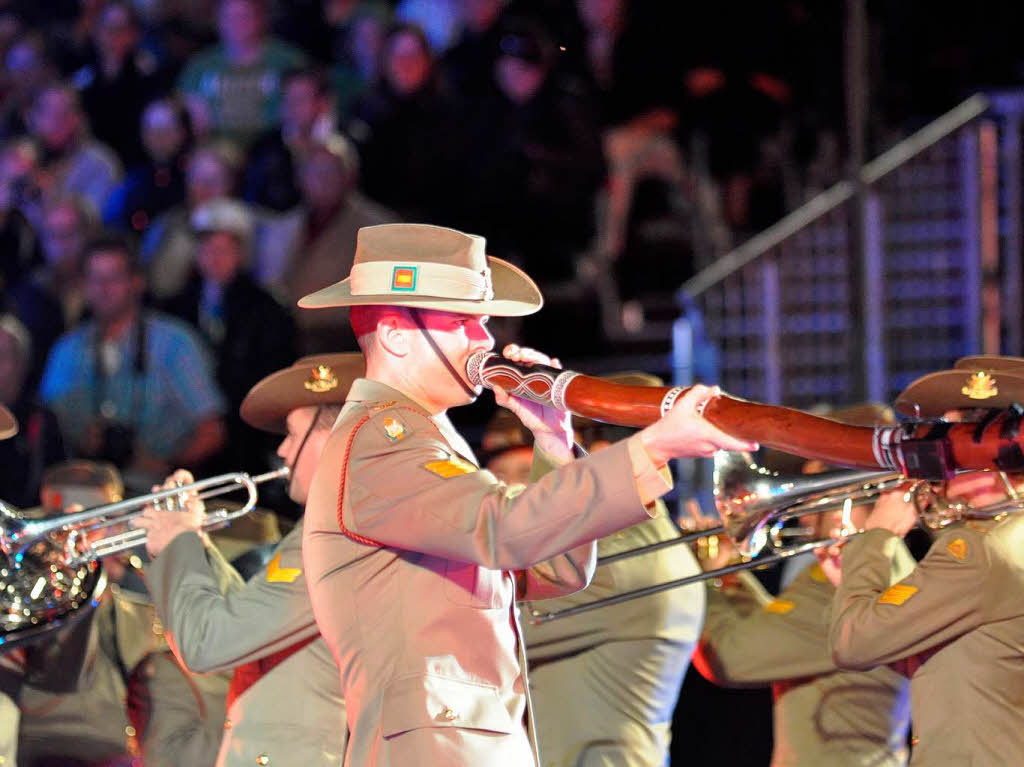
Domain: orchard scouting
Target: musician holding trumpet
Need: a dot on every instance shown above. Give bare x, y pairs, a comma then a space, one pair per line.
284, 704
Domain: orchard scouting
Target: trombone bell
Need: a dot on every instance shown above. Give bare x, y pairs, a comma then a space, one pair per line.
751, 498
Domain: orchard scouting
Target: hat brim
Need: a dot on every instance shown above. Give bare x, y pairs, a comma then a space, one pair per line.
8, 423
268, 403
515, 295
991, 362
932, 395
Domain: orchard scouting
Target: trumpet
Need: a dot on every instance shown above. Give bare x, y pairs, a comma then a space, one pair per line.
51, 574
18, 534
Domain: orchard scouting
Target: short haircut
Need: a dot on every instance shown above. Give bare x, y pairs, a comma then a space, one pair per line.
327, 416
364, 319
112, 241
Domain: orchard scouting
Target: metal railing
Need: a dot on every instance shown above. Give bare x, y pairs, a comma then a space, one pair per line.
797, 317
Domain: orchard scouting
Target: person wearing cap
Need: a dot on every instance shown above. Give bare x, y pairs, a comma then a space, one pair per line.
410, 549
285, 705
643, 644
955, 624
107, 689
250, 333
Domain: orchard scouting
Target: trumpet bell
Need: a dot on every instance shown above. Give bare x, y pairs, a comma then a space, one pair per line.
752, 498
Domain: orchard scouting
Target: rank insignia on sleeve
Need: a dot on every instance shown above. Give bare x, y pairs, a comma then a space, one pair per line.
453, 467
278, 574
897, 594
779, 606
394, 429
957, 549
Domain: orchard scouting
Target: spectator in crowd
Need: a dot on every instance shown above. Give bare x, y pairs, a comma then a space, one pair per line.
532, 154
19, 245
28, 69
157, 184
118, 80
440, 20
38, 442
306, 121
323, 245
76, 162
51, 297
168, 247
251, 335
357, 57
405, 128
469, 64
234, 88
131, 386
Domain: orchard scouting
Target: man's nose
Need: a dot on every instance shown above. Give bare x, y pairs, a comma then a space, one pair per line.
481, 338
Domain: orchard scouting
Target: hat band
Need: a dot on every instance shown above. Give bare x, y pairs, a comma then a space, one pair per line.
376, 278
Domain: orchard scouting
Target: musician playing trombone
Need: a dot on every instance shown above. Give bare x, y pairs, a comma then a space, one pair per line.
820, 714
955, 624
408, 545
284, 704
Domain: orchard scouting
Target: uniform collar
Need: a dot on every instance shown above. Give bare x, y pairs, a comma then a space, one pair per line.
367, 390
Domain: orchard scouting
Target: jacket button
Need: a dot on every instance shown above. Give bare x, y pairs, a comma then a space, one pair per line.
914, 740
227, 724
448, 715
262, 759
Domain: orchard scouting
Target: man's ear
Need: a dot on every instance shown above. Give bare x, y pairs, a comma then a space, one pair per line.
393, 334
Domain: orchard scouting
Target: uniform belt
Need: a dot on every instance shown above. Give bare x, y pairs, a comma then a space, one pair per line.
250, 673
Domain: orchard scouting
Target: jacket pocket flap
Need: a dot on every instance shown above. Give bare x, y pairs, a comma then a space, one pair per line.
428, 700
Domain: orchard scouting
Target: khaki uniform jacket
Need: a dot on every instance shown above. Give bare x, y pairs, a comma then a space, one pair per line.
821, 715
604, 683
419, 615
957, 622
294, 714
133, 698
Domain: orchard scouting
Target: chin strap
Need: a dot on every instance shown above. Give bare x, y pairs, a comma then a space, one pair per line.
440, 354
305, 439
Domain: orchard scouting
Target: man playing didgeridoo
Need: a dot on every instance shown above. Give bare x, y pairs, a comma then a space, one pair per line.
410, 549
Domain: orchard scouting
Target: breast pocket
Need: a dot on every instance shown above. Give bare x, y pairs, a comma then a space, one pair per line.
470, 585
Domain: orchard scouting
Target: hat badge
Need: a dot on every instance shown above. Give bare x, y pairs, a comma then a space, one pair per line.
980, 386
322, 379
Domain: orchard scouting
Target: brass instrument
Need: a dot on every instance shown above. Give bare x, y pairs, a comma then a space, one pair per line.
756, 503
51, 573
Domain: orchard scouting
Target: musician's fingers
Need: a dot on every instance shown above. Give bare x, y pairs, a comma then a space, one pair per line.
501, 397
696, 397
719, 440
525, 354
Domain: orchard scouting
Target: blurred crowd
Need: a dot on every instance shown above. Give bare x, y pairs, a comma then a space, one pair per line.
174, 174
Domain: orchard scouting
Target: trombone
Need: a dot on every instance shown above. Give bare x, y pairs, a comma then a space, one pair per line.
755, 503
18, 534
